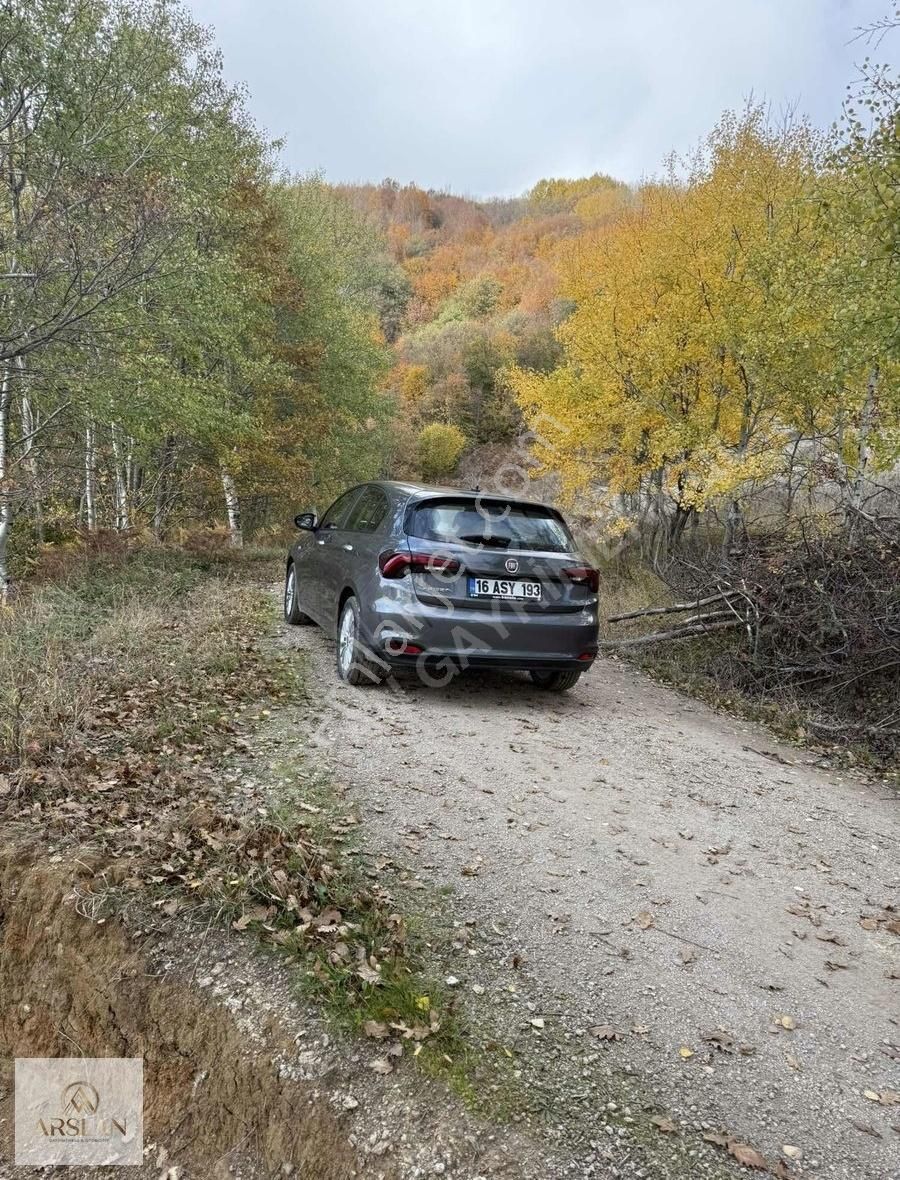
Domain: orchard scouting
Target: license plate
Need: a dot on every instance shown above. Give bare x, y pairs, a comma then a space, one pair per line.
504, 588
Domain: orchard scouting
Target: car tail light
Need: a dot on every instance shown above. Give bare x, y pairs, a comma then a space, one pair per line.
400, 647
396, 565
587, 655
584, 575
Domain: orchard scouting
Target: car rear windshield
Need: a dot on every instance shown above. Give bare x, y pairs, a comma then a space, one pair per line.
491, 523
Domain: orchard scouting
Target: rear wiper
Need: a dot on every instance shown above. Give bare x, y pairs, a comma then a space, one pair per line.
497, 542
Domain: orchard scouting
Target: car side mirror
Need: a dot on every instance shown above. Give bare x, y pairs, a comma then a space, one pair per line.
308, 521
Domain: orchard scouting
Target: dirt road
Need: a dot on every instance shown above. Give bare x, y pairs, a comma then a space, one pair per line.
645, 864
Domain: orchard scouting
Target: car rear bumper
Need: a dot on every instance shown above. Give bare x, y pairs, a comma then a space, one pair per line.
462, 660
479, 639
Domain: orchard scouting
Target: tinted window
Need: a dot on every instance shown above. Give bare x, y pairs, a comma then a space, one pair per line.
369, 511
336, 516
490, 523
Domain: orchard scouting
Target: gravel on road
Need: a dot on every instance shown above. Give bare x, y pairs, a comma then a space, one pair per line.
724, 906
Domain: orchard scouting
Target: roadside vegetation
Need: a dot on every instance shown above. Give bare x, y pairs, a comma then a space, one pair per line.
131, 683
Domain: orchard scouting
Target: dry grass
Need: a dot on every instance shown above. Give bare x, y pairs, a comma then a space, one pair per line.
134, 682
628, 587
111, 631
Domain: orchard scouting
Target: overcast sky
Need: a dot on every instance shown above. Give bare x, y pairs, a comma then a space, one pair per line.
484, 97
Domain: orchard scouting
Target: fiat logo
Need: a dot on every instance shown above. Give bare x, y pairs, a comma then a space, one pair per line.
511, 565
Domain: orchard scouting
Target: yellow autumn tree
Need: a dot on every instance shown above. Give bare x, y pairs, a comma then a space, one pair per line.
683, 352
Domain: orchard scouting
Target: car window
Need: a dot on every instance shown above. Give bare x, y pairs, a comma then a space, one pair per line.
490, 523
336, 516
369, 511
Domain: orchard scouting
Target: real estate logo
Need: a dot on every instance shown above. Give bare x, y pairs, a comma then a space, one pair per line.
79, 1110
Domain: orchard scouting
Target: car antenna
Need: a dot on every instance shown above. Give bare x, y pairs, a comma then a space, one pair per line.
477, 488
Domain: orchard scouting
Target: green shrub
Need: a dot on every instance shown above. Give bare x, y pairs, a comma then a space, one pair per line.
438, 449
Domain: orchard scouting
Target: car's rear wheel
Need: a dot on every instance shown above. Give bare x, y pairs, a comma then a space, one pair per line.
292, 612
556, 681
355, 664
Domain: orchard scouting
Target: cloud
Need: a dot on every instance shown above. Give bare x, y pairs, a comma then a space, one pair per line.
487, 96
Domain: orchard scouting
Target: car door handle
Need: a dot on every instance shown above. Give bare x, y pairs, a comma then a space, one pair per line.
349, 548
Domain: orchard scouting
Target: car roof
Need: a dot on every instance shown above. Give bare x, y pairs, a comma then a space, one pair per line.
424, 491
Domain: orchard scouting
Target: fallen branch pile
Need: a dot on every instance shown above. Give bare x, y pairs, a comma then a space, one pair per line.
729, 614
809, 617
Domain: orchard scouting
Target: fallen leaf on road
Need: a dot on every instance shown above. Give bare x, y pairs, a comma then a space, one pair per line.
784, 1021
375, 1028
720, 1038
747, 1155
605, 1032
713, 1137
688, 954
664, 1123
742, 1152
792, 1061
644, 919
538, 1022
381, 1065
686, 1051
885, 1097
830, 936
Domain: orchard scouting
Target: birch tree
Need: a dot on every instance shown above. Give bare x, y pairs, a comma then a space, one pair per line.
119, 143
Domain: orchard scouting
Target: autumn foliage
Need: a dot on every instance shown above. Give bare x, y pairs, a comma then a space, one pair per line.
733, 330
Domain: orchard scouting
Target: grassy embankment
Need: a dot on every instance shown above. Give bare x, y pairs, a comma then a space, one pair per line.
128, 681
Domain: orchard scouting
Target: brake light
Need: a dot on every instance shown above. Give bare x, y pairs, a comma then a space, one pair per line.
584, 575
396, 565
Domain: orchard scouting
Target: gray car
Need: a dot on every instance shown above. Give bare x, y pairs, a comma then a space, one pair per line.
438, 579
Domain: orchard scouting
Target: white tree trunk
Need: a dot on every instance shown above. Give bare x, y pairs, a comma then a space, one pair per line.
130, 468
90, 479
232, 508
123, 520
30, 426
